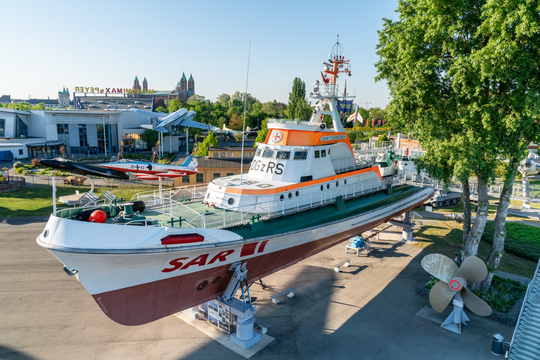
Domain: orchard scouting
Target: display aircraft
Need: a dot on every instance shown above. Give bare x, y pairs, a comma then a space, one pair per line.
182, 117
154, 171
83, 169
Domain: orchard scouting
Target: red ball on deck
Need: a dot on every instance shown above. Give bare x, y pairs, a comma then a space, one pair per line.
98, 216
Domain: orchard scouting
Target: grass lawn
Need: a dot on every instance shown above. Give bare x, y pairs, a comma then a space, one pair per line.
446, 237
36, 200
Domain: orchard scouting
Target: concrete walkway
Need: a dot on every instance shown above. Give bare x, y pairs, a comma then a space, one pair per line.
368, 311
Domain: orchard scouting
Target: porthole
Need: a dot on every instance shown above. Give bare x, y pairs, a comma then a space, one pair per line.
290, 195
45, 233
230, 201
337, 183
345, 181
281, 197
328, 186
322, 187
297, 193
202, 285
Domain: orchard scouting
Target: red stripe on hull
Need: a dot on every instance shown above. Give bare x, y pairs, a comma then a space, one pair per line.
141, 304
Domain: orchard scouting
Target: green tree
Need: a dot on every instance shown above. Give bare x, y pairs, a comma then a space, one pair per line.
263, 132
202, 147
150, 137
298, 107
174, 105
236, 122
464, 77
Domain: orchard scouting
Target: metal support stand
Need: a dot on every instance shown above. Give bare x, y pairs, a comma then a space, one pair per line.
245, 337
457, 316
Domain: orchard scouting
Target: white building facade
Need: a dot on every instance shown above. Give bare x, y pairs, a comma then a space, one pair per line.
41, 133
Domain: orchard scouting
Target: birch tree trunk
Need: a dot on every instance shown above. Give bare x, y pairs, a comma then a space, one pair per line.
466, 210
472, 241
499, 233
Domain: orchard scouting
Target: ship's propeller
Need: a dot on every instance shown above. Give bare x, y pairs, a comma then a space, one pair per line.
453, 279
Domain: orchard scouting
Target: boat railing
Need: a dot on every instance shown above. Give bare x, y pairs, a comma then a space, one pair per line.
179, 194
288, 121
330, 90
172, 203
345, 164
223, 218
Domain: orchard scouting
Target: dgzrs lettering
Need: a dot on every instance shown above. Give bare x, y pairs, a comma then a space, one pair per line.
270, 167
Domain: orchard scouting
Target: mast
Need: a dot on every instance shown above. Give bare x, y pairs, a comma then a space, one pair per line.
327, 93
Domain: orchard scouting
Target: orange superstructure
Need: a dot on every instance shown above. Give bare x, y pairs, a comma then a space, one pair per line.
287, 137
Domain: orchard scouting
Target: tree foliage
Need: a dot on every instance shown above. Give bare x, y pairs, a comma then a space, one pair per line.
298, 107
464, 76
202, 147
150, 137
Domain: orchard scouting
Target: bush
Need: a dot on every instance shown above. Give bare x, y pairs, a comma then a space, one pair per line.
521, 240
502, 294
20, 170
17, 165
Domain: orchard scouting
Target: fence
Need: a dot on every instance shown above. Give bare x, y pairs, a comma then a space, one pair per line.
15, 182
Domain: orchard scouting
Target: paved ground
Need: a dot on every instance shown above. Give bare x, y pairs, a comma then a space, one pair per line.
366, 312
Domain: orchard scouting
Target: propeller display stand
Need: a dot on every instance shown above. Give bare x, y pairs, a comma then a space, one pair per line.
457, 316
452, 286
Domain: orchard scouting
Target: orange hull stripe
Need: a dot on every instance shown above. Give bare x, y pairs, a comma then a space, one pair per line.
300, 185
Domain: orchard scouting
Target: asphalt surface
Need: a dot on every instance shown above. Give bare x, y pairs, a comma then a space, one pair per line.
367, 311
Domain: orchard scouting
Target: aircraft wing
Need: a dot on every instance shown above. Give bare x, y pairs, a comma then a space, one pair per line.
189, 122
84, 169
159, 115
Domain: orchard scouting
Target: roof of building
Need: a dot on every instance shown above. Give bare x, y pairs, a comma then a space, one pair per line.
222, 163
37, 101
108, 103
15, 111
5, 99
527, 332
230, 148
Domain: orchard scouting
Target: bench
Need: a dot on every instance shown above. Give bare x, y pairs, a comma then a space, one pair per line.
289, 292
346, 263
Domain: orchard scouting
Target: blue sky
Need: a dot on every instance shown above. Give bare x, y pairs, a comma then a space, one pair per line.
51, 44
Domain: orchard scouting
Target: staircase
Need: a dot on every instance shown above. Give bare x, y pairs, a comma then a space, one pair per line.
526, 340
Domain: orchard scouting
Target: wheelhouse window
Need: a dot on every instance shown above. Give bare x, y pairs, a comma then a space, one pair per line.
317, 154
300, 155
283, 155
258, 152
323, 153
268, 154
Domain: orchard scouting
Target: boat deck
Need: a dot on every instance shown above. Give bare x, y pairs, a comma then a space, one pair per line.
186, 205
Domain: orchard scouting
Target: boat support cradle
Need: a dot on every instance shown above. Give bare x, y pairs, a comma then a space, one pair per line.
245, 336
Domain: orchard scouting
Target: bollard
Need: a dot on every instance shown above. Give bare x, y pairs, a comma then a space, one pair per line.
496, 345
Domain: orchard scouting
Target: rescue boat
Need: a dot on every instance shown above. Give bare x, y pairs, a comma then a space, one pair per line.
304, 193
